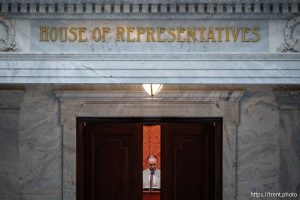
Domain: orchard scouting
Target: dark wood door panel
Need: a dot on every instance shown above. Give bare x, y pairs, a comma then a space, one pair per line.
189, 161
109, 159
111, 166
109, 173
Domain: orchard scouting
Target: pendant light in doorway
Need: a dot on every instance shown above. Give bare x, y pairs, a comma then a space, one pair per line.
152, 89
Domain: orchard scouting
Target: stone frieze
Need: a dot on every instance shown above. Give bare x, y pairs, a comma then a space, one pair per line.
291, 42
7, 35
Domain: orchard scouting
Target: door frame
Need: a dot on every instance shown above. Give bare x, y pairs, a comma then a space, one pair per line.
224, 104
82, 121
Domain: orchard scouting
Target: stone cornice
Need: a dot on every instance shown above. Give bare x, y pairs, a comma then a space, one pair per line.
153, 57
136, 10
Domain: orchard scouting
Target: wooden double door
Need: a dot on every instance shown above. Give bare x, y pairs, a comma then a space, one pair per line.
109, 158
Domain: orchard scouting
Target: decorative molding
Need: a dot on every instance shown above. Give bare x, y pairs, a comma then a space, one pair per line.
291, 44
153, 57
8, 43
150, 71
149, 1
141, 96
63, 9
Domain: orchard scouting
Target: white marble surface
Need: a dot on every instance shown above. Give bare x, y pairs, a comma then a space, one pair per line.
27, 37
289, 142
111, 62
276, 41
111, 45
9, 144
258, 145
147, 71
40, 144
290, 151
9, 156
22, 28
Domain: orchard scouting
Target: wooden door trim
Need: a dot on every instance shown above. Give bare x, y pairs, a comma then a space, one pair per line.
81, 121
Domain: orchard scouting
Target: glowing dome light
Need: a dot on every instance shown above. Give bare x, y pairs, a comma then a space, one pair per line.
152, 89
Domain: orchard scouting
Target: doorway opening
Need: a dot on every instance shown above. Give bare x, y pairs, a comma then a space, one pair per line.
112, 153
151, 162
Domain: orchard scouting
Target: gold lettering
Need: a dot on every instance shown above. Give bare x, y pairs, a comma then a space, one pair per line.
120, 34
202, 38
171, 32
82, 37
219, 29
105, 31
96, 34
130, 31
53, 34
227, 39
180, 30
191, 34
245, 31
140, 31
73, 32
160, 31
150, 34
235, 33
44, 34
211, 34
63, 34
255, 31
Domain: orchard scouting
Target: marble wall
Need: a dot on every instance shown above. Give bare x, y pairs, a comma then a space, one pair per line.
9, 144
289, 142
40, 169
258, 145
9, 156
290, 151
268, 145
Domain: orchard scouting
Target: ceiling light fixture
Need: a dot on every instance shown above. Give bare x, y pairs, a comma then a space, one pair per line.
152, 89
